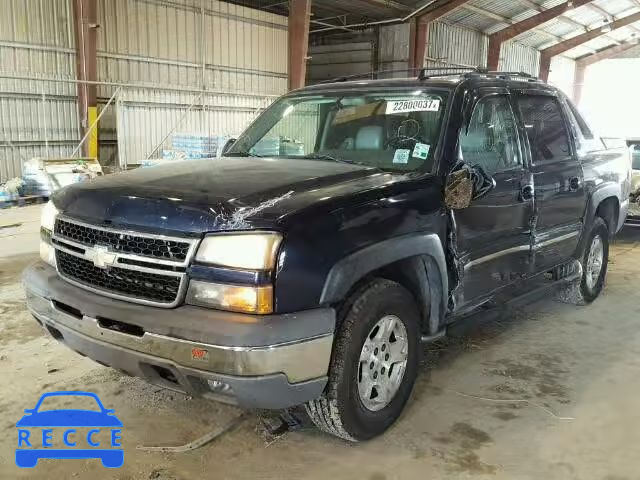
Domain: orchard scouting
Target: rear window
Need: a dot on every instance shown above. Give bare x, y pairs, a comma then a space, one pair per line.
546, 128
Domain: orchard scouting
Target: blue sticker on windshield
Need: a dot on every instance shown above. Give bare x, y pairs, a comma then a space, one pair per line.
401, 156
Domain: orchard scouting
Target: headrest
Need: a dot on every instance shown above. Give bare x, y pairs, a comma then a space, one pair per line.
370, 137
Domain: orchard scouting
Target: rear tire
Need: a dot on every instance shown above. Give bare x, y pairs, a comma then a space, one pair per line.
374, 363
594, 258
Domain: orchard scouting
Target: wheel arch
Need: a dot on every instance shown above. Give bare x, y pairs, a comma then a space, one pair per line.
415, 261
605, 203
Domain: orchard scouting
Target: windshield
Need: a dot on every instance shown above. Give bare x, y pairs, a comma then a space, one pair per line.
393, 130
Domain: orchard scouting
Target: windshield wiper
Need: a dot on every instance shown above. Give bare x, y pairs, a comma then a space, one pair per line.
245, 153
324, 156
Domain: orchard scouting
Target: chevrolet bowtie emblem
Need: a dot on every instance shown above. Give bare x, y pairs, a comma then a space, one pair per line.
100, 256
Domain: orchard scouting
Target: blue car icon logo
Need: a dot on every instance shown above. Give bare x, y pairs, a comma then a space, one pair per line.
36, 432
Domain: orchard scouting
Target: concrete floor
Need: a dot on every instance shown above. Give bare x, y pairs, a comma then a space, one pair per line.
548, 391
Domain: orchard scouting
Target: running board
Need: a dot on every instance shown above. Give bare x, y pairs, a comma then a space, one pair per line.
632, 221
432, 338
568, 272
563, 274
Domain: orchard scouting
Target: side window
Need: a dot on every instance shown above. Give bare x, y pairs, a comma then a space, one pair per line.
545, 128
491, 141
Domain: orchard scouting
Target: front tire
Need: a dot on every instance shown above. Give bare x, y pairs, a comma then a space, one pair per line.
374, 363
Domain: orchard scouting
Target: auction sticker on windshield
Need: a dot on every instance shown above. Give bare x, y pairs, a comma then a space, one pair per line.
401, 156
418, 105
421, 150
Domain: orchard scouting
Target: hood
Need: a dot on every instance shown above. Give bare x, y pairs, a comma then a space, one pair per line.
211, 195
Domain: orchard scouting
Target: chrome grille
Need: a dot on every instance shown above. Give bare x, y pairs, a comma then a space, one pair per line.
123, 241
132, 266
132, 283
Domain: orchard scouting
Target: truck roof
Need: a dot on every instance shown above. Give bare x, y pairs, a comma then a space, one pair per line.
473, 79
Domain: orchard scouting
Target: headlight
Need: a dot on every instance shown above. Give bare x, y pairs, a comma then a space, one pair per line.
48, 216
250, 250
237, 298
47, 221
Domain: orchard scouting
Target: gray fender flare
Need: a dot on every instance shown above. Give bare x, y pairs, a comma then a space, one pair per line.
427, 248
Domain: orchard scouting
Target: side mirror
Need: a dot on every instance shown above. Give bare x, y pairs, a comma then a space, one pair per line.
458, 192
228, 145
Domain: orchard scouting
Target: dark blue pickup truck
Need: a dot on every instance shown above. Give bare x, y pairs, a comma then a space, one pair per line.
348, 223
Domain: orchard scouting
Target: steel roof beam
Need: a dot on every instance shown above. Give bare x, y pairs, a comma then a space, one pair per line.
299, 19
548, 53
419, 30
497, 39
85, 24
389, 5
609, 17
604, 54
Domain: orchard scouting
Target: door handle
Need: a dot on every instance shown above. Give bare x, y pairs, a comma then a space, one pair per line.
574, 184
527, 192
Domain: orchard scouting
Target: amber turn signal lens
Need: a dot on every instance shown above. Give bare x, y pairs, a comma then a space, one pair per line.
235, 298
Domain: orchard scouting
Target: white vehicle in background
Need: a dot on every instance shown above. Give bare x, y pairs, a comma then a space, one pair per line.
634, 205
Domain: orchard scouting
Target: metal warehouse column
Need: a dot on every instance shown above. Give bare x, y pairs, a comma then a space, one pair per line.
548, 53
419, 31
583, 62
299, 16
496, 40
85, 25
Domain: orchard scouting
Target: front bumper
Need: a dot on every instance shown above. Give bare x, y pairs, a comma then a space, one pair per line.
271, 361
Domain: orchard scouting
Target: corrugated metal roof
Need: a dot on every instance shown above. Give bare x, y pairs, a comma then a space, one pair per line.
631, 53
504, 8
534, 39
586, 15
470, 19
560, 28
490, 16
616, 7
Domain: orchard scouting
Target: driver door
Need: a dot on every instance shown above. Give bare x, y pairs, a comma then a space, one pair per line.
493, 234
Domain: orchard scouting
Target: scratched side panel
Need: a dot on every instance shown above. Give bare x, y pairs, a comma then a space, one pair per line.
317, 240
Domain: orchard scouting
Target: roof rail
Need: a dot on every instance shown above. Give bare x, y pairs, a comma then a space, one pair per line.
508, 75
432, 72
424, 72
373, 75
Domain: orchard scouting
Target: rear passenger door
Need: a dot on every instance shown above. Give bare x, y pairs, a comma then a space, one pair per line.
558, 180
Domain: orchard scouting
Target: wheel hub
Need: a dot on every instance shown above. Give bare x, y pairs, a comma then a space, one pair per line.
595, 260
383, 360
